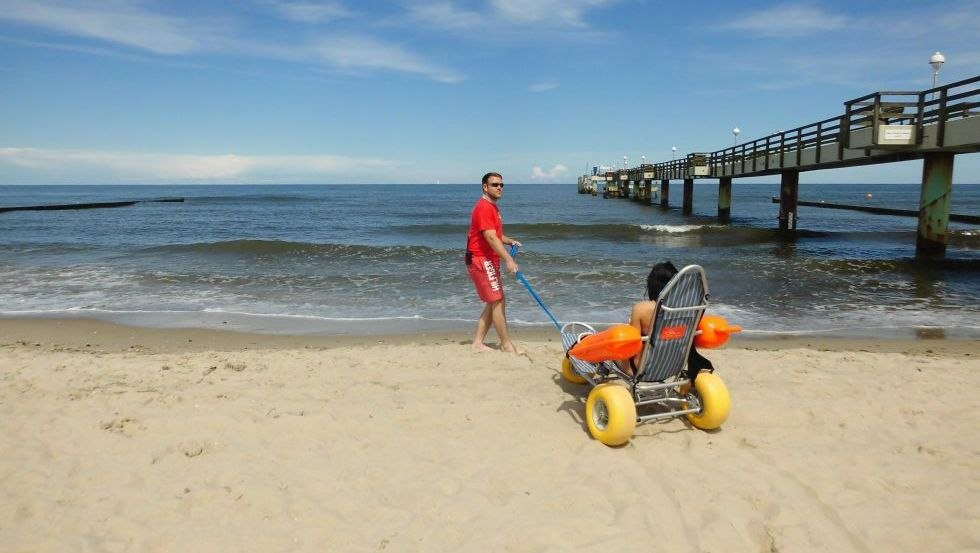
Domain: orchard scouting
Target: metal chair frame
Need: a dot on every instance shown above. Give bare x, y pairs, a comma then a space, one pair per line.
661, 377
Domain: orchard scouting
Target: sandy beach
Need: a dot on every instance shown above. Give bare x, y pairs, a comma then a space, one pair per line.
130, 439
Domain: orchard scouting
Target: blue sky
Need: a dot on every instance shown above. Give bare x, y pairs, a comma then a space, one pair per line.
306, 91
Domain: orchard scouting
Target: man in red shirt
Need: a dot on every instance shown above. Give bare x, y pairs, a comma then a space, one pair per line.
484, 250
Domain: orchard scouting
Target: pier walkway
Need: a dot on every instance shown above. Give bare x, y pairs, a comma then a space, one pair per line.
882, 127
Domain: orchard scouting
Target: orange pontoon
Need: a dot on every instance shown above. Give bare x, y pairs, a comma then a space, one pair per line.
617, 342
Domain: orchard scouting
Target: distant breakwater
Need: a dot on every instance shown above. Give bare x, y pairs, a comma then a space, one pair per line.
89, 205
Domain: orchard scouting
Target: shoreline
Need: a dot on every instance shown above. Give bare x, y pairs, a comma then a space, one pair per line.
98, 335
316, 326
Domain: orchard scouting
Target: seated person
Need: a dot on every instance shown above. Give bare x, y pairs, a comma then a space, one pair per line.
642, 315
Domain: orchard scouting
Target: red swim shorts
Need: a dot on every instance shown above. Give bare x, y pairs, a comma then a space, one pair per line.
486, 277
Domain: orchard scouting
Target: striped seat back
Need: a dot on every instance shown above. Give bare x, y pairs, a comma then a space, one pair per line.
679, 309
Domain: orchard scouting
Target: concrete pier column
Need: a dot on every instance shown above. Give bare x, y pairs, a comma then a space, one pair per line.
649, 186
935, 201
688, 196
664, 192
789, 188
724, 199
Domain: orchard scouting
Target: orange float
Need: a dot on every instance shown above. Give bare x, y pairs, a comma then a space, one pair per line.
617, 342
714, 331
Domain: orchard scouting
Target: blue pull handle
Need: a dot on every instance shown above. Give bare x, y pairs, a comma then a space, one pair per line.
520, 277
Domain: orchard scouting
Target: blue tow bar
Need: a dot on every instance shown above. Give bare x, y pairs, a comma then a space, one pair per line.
520, 277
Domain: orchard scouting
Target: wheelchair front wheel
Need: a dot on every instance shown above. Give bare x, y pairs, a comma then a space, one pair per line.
611, 414
716, 404
568, 372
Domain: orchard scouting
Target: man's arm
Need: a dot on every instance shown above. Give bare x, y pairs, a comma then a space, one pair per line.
495, 243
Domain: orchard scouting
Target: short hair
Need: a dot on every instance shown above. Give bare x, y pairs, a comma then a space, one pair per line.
659, 276
491, 174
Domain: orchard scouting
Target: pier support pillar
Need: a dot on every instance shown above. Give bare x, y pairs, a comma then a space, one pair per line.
664, 192
789, 188
688, 196
935, 201
724, 199
649, 186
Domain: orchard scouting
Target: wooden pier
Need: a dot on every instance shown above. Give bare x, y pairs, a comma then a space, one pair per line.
882, 127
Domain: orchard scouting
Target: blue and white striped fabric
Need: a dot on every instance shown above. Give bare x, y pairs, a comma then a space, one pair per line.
679, 309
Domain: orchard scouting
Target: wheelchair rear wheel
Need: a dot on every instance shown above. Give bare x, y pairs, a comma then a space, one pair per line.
716, 404
611, 414
569, 373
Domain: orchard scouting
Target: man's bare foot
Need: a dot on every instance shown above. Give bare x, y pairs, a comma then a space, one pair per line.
481, 347
511, 348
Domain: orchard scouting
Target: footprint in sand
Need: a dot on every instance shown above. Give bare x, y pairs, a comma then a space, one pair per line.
125, 426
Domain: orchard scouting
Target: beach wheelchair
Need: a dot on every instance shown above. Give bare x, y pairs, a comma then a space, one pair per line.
670, 379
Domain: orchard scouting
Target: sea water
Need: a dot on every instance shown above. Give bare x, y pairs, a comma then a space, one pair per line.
389, 258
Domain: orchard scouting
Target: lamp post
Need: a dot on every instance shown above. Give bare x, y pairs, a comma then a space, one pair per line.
936, 61
735, 131
673, 152
625, 165
643, 160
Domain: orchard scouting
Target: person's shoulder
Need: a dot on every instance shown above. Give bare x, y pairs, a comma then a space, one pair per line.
644, 307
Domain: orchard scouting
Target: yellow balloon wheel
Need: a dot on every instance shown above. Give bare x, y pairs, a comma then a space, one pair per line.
569, 373
716, 404
611, 414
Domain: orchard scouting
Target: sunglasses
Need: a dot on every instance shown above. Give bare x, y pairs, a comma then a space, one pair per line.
496, 184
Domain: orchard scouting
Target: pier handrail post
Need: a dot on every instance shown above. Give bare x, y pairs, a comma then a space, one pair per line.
875, 112
840, 141
799, 145
941, 128
782, 148
920, 114
766, 164
819, 140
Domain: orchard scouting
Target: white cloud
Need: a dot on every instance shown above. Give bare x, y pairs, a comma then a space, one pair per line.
446, 15
364, 52
116, 22
123, 23
556, 172
787, 21
310, 12
543, 87
503, 16
567, 12
69, 166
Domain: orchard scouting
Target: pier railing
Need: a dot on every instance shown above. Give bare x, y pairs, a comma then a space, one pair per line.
886, 122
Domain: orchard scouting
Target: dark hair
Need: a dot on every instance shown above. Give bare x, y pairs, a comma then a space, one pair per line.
659, 276
491, 174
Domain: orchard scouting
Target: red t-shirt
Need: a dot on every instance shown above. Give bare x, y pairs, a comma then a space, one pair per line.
486, 215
